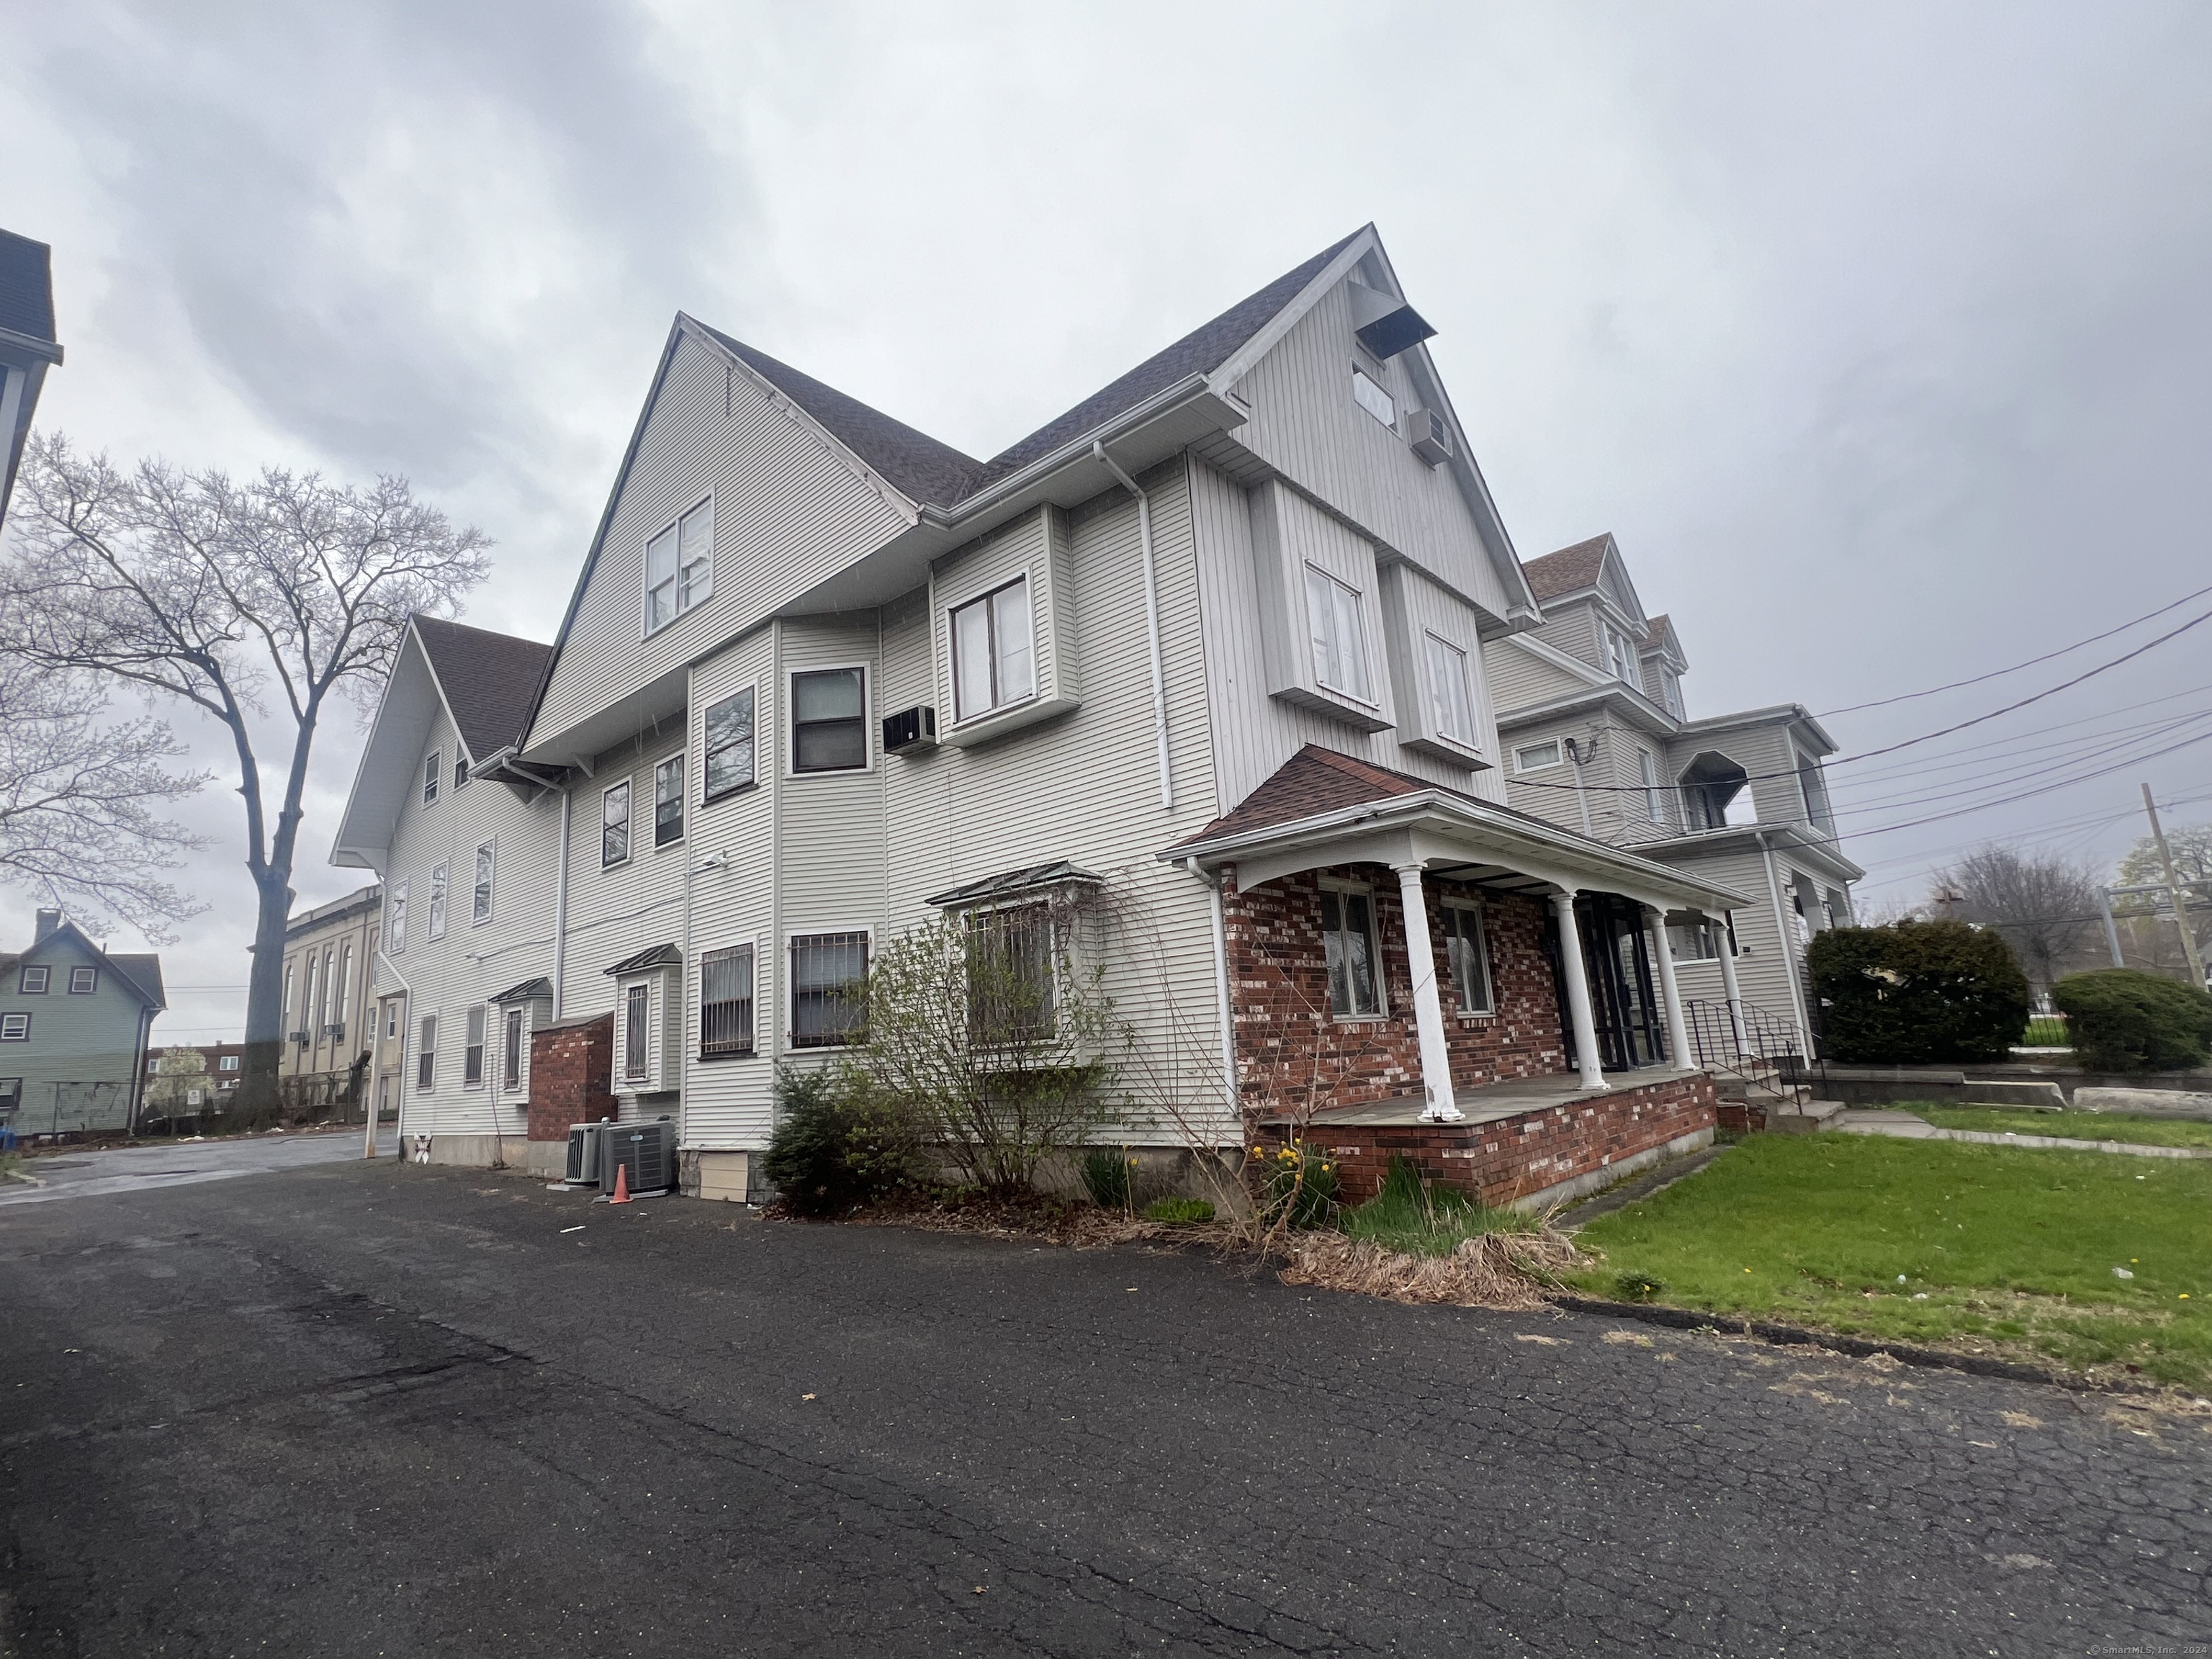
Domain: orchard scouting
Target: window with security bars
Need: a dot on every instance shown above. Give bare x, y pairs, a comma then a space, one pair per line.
510, 1070
1347, 934
668, 801
426, 1055
1011, 993
636, 1014
828, 989
726, 1002
472, 1052
1468, 953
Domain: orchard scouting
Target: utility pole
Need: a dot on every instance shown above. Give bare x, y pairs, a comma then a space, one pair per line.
2175, 895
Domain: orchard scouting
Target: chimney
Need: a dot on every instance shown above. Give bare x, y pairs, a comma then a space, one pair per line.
48, 921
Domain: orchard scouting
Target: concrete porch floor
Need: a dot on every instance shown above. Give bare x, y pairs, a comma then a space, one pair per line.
1494, 1101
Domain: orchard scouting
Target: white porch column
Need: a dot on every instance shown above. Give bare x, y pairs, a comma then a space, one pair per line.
1578, 996
1428, 1008
1728, 981
1678, 1027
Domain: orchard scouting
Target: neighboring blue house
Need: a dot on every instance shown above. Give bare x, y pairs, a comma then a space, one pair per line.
74, 1025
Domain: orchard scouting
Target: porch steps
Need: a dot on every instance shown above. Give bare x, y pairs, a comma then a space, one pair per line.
1806, 1117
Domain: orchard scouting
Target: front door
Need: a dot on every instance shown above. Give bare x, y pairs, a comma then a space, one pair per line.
1617, 958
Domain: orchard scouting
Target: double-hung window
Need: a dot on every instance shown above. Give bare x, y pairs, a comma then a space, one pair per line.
729, 745
1620, 654
828, 989
510, 1054
668, 801
15, 1028
1468, 953
828, 721
35, 979
472, 1051
1339, 642
480, 895
460, 768
1670, 692
614, 825
637, 1019
83, 981
395, 921
1451, 710
437, 928
726, 1002
431, 771
994, 664
1655, 793
679, 567
1347, 935
426, 1055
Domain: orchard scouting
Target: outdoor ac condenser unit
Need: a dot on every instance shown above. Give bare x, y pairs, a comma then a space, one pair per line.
647, 1150
587, 1153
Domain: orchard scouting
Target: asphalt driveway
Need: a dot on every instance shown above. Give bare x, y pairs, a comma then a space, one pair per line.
367, 1409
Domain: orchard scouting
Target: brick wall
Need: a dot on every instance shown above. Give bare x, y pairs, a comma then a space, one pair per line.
1516, 1158
1292, 1055
570, 1067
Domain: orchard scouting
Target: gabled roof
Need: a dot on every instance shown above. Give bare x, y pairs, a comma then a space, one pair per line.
1659, 634
490, 680
1315, 780
139, 971
1568, 569
1010, 884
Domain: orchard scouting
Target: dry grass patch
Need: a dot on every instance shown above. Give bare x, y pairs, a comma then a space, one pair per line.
1508, 1271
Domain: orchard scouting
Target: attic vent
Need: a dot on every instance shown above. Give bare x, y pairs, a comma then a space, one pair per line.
1431, 438
1385, 325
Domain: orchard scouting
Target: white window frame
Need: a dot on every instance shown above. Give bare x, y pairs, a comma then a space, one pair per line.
395, 921
659, 775
441, 888
1454, 666
1470, 909
23, 986
1361, 890
513, 1040
426, 1055
1620, 655
91, 977
15, 1028
998, 697
483, 887
460, 768
475, 1032
790, 724
433, 774
1707, 933
627, 788
1322, 584
708, 794
1655, 787
1556, 745
730, 1050
1371, 395
344, 985
685, 594
1670, 692
637, 1032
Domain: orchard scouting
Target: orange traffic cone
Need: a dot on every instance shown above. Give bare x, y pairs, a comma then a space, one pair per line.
622, 1185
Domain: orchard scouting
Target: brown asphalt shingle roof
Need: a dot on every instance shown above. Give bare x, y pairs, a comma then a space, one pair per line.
490, 680
1314, 780
1569, 568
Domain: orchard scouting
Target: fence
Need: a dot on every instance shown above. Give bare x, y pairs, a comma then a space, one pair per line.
62, 1109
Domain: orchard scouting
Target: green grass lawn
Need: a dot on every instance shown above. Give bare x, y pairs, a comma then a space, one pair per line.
2010, 1249
2080, 1126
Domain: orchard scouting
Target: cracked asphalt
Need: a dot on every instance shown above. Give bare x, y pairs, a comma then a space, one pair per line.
369, 1409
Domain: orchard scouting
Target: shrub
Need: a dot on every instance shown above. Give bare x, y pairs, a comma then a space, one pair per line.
1182, 1210
1637, 1287
1917, 991
1298, 1185
1106, 1174
836, 1144
2125, 1020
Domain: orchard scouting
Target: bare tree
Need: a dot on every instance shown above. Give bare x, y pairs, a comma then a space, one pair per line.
239, 599
2192, 862
2044, 907
77, 793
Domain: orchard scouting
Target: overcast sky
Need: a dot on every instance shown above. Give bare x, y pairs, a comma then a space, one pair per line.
1876, 334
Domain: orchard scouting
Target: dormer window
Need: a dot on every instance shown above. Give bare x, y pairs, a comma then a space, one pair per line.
1620, 654
1670, 692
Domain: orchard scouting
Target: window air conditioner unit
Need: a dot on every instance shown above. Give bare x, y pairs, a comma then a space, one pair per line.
336, 1030
910, 728
587, 1153
1431, 438
647, 1150
299, 1037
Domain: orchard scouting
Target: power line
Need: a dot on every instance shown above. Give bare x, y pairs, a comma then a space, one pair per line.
1999, 673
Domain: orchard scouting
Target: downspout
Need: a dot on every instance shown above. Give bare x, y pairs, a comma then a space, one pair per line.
406, 1025
1151, 618
560, 916
1783, 937
1221, 1005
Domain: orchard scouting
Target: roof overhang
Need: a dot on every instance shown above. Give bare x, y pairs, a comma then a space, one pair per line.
1801, 840
1781, 713
1614, 694
1447, 832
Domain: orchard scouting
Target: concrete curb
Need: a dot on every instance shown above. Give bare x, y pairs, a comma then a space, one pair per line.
1857, 1347
1916, 1129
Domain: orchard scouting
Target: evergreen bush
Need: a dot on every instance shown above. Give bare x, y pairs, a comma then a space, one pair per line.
836, 1144
1917, 991
2125, 1020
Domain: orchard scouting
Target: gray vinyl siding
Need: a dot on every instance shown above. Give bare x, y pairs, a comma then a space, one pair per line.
1768, 960
474, 961
790, 510
1574, 630
1253, 732
1305, 422
1762, 751
1519, 678
89, 1046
